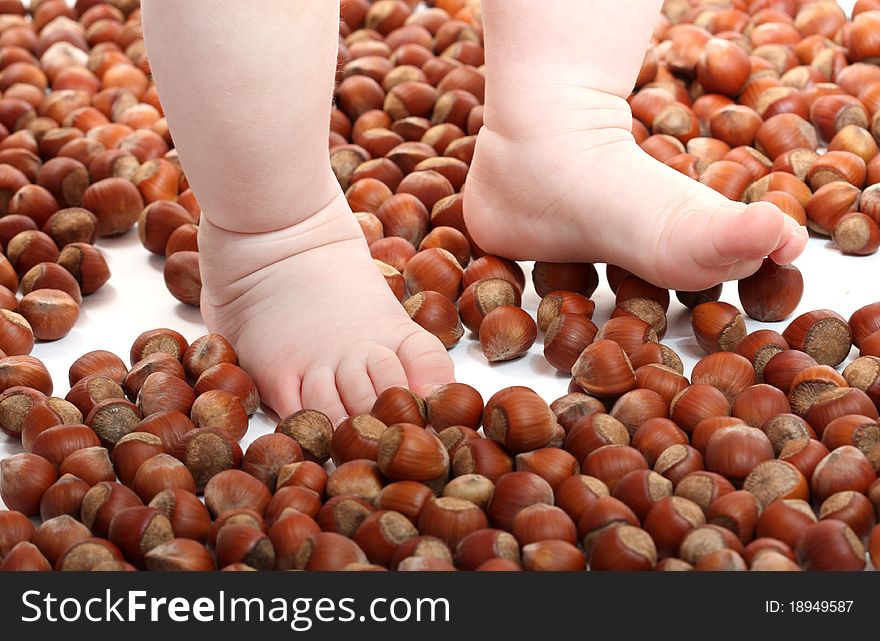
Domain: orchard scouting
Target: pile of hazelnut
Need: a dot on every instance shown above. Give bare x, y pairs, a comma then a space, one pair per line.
84, 153
766, 457
639, 469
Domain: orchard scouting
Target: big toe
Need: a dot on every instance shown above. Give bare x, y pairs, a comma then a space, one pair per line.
791, 248
426, 362
731, 235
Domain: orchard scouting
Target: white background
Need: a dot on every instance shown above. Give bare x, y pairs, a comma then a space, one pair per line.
135, 299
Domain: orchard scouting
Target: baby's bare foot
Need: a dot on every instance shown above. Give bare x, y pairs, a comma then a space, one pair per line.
577, 188
311, 318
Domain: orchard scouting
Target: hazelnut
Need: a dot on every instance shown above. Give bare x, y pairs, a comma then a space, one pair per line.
179, 554
162, 391
24, 478
837, 402
400, 405
35, 202
51, 313
727, 372
784, 132
244, 544
864, 322
628, 331
830, 544
158, 340
470, 487
343, 514
221, 410
157, 180
381, 533
67, 180
103, 502
234, 489
435, 313
268, 454
706, 539
604, 370
552, 556
30, 248
408, 452
98, 363
64, 497
603, 514
393, 251
771, 293
451, 519
718, 326
132, 450
572, 407
832, 113
576, 493
845, 468
594, 431
856, 234
89, 554
24, 371
137, 530
205, 352
158, 221
232, 379
430, 186
16, 334
288, 533
184, 238
182, 277
51, 276
434, 269
561, 302
91, 464
454, 404
168, 427
669, 520
58, 442
206, 452
487, 267
86, 264
482, 456
781, 368
506, 333
519, 419
355, 438
312, 431
161, 472
860, 431
483, 296
327, 551
829, 204
695, 403
852, 508
552, 464
370, 194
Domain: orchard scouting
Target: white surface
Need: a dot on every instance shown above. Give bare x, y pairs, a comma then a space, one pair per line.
135, 300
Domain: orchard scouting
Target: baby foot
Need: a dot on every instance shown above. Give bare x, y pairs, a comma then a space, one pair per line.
311, 318
577, 188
